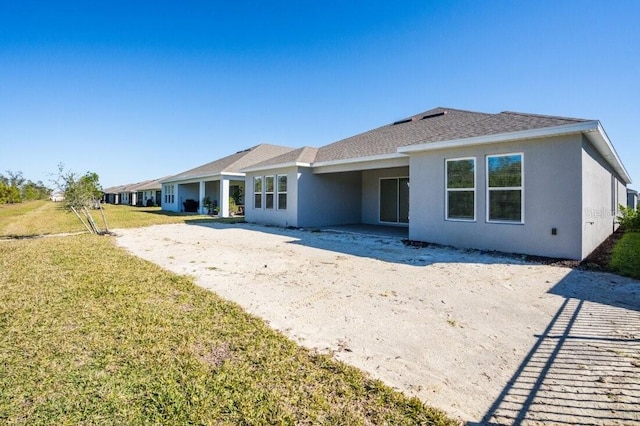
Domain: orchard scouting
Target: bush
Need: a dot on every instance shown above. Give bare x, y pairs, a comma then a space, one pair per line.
233, 207
629, 219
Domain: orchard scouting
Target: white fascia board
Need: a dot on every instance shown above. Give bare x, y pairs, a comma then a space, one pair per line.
193, 179
503, 137
362, 164
598, 137
359, 159
276, 166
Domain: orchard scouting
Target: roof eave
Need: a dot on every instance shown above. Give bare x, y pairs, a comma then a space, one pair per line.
360, 159
208, 176
276, 166
502, 137
598, 137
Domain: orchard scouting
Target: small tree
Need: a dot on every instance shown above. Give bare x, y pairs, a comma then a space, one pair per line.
81, 193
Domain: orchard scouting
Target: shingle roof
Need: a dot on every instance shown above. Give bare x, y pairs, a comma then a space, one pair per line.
151, 185
436, 125
305, 155
233, 163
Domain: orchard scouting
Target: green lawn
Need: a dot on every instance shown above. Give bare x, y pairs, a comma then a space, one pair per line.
45, 217
625, 257
92, 335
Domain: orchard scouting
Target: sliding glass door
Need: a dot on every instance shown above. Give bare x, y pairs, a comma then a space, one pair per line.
394, 200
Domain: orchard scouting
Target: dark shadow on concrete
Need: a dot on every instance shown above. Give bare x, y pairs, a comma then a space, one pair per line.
584, 369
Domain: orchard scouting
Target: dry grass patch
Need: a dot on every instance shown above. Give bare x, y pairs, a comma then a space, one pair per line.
92, 335
46, 218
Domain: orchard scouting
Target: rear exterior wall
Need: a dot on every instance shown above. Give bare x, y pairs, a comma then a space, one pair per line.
552, 199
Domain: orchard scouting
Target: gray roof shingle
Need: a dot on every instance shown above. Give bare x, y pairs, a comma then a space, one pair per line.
305, 154
233, 163
436, 125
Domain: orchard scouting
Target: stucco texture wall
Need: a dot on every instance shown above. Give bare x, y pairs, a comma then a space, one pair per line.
552, 178
275, 216
329, 198
602, 193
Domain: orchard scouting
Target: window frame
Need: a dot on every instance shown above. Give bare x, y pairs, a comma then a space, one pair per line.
278, 192
256, 193
505, 188
447, 189
272, 193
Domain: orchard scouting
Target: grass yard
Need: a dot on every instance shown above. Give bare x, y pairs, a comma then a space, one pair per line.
45, 217
625, 257
92, 335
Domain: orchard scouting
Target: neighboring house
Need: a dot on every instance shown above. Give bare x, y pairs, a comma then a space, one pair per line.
632, 198
148, 193
511, 182
111, 195
57, 196
218, 180
134, 194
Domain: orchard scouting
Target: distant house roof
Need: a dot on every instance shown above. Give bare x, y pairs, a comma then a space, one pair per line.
151, 185
232, 164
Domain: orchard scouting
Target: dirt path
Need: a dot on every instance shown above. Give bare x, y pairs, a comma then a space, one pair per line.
480, 336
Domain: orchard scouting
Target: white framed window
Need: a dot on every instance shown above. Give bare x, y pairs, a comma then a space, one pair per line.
257, 192
269, 188
282, 192
460, 182
505, 188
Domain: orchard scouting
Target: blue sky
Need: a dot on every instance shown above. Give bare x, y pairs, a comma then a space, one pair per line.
138, 90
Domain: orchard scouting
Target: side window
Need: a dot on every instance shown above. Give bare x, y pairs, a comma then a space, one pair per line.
257, 192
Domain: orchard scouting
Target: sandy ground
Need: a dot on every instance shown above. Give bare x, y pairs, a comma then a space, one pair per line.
486, 338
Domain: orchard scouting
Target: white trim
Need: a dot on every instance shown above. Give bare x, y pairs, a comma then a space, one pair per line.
273, 192
507, 188
503, 137
397, 178
277, 192
603, 145
276, 166
206, 178
359, 159
446, 189
253, 200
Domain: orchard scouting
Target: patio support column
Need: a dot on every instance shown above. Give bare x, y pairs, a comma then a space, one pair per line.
202, 208
224, 197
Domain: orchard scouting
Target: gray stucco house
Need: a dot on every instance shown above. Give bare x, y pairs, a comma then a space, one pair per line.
217, 180
511, 182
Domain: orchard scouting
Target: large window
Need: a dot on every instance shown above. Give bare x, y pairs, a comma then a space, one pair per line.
257, 192
461, 189
268, 192
505, 201
282, 192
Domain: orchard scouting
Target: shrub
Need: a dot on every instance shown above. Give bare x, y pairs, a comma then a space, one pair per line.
629, 219
233, 207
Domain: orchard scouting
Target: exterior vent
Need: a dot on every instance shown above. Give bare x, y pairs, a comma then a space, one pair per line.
403, 121
437, 114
